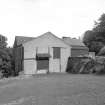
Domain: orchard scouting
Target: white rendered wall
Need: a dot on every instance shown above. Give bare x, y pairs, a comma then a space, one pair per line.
65, 53
55, 65
29, 67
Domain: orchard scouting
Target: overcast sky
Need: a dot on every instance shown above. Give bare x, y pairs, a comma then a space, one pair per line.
35, 17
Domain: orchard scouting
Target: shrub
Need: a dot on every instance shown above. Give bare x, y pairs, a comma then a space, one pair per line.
99, 67
77, 64
86, 65
6, 63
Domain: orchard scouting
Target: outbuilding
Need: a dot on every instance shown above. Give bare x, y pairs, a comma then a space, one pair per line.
43, 54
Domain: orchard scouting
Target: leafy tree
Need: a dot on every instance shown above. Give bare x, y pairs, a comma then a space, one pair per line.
3, 41
6, 63
95, 39
100, 24
88, 37
6, 58
95, 46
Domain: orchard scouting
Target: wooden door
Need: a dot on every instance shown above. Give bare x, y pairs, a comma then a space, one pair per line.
56, 59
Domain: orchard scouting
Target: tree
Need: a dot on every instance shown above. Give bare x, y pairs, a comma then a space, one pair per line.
6, 63
95, 39
3, 41
6, 58
95, 46
100, 24
88, 37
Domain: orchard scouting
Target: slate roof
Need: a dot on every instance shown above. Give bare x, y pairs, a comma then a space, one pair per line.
74, 43
22, 39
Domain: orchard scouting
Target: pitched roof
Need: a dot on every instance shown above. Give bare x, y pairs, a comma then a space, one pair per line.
73, 41
48, 35
22, 39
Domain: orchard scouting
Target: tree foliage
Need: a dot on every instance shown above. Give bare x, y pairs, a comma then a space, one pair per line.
83, 65
95, 39
3, 41
100, 24
6, 58
6, 62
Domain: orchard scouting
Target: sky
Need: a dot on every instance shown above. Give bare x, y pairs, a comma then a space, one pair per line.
69, 18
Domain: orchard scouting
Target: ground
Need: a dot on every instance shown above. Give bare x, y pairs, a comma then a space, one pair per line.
54, 89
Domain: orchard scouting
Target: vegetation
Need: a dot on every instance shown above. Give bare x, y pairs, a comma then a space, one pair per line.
100, 24
86, 65
6, 59
102, 51
95, 39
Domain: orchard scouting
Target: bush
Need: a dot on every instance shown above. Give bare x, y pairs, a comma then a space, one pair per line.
99, 67
6, 63
86, 65
77, 64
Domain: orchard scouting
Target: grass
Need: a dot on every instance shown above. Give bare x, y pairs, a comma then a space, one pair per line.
54, 89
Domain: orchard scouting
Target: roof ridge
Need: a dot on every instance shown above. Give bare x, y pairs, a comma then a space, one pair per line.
50, 33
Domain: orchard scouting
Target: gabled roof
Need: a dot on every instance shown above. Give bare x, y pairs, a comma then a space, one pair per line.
74, 43
50, 36
22, 39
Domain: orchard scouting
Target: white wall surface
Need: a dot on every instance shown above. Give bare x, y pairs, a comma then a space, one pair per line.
65, 53
29, 66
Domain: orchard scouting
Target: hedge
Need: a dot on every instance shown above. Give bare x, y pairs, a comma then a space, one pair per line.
84, 65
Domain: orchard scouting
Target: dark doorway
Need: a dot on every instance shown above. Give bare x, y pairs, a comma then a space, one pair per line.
42, 64
56, 53
42, 61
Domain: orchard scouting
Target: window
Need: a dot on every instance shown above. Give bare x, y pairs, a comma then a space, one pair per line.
56, 52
